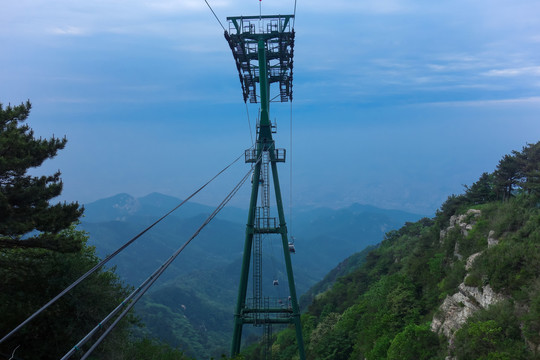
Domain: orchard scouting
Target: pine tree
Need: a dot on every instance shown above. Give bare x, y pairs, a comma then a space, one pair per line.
481, 191
30, 277
27, 219
507, 175
529, 160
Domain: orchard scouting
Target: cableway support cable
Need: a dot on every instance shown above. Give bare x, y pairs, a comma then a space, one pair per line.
134, 297
111, 256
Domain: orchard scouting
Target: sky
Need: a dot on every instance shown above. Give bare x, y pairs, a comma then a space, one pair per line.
397, 103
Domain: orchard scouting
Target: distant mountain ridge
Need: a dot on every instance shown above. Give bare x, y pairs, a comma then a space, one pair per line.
121, 206
208, 270
323, 236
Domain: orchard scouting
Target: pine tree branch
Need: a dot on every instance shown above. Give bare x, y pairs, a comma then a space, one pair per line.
54, 242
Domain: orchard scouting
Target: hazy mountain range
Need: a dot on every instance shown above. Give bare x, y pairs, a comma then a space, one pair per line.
191, 305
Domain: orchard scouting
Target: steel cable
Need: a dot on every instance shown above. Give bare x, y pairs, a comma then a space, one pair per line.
135, 296
108, 258
212, 10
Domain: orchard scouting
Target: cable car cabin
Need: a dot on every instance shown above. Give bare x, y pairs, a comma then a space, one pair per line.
292, 250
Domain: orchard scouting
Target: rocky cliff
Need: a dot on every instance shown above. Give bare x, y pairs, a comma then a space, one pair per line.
459, 307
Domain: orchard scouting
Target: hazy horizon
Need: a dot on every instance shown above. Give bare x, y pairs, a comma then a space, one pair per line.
245, 206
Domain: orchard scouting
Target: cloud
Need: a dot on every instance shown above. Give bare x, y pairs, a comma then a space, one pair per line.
365, 7
68, 30
533, 100
523, 71
58, 17
68, 100
175, 6
535, 38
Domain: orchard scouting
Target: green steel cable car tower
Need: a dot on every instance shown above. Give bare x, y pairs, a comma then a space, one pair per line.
262, 47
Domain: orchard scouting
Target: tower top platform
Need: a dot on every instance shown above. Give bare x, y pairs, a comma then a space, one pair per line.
273, 32
260, 24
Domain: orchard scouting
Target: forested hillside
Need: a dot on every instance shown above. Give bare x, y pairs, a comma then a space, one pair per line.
464, 284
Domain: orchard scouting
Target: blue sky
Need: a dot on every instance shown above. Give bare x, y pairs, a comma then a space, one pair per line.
397, 103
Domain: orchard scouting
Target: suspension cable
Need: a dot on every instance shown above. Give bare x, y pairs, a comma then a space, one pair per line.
291, 170
294, 18
141, 290
212, 10
108, 258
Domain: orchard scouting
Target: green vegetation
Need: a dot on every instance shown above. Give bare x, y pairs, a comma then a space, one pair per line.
384, 308
492, 334
344, 268
41, 253
24, 199
148, 349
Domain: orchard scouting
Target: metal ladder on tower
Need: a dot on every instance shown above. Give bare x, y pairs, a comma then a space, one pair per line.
265, 196
257, 276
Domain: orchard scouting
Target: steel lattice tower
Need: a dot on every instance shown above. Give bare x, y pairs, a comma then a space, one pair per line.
262, 47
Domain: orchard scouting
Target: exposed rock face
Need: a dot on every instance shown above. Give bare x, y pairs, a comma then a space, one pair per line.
464, 223
456, 309
491, 239
470, 260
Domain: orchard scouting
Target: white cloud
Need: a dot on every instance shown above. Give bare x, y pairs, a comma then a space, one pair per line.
523, 71
436, 67
68, 30
534, 100
66, 100
61, 17
358, 6
535, 38
170, 6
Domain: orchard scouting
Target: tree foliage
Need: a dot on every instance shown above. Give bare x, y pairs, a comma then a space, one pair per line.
521, 170
415, 342
27, 218
29, 278
492, 334
529, 161
149, 349
507, 176
482, 191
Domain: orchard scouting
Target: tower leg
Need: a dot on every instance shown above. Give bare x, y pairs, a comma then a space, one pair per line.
287, 256
248, 243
